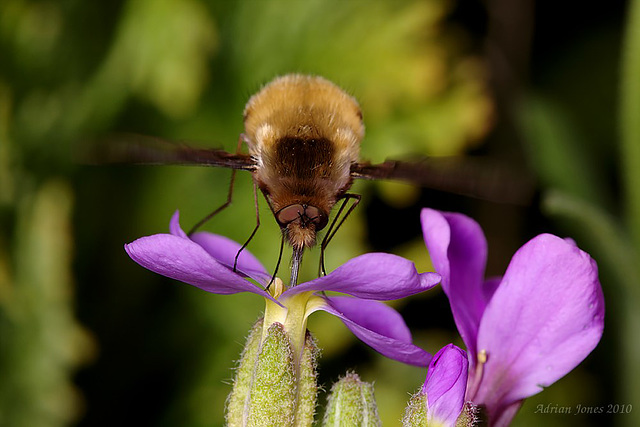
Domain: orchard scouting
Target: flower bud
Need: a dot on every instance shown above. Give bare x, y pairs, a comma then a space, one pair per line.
269, 389
416, 412
307, 382
244, 377
472, 415
351, 402
440, 400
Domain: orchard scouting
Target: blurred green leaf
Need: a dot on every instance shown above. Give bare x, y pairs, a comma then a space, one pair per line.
617, 258
159, 53
602, 232
555, 148
42, 343
629, 120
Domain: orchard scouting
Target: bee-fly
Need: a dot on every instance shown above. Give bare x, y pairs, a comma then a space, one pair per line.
303, 135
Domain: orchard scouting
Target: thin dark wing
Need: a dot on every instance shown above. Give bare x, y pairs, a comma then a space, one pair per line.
461, 175
147, 150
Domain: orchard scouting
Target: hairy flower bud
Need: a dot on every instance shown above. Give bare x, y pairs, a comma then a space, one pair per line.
440, 400
235, 414
472, 416
416, 412
351, 402
270, 387
307, 383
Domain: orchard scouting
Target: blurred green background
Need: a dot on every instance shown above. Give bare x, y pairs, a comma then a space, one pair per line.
89, 338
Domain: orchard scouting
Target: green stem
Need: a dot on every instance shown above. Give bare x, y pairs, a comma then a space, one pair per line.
630, 120
630, 152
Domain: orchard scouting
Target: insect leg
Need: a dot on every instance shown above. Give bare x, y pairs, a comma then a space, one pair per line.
214, 213
275, 271
229, 194
253, 233
333, 228
321, 268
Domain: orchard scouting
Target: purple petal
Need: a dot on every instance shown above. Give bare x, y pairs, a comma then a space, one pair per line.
446, 385
489, 287
504, 420
181, 259
174, 226
458, 250
379, 326
376, 276
546, 316
224, 250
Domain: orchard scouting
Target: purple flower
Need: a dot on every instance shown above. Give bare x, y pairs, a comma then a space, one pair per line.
525, 330
206, 261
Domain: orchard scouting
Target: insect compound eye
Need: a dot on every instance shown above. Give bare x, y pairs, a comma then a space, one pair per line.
316, 216
305, 213
289, 214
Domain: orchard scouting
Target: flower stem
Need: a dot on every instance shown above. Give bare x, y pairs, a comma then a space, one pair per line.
630, 125
630, 152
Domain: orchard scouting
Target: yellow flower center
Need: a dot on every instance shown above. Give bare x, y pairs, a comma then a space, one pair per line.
292, 314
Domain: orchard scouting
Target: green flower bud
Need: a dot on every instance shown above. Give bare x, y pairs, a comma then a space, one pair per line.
351, 403
244, 377
270, 389
416, 412
472, 416
273, 392
308, 385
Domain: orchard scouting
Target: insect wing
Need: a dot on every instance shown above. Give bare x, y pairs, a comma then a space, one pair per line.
146, 150
461, 175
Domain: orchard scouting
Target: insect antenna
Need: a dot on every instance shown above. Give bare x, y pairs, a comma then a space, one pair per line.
333, 228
